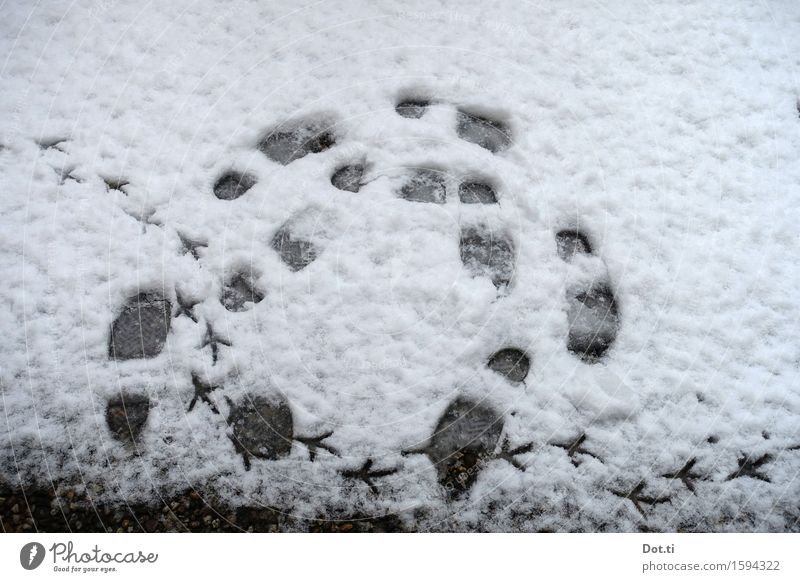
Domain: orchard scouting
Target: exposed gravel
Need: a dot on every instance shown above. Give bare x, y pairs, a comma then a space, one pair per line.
41, 510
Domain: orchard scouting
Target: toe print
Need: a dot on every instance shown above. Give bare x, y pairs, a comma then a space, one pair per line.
212, 340
52, 143
593, 322
636, 497
192, 247
686, 475
232, 185
240, 291
570, 243
144, 217
348, 177
464, 439
491, 134
366, 474
425, 185
140, 330
313, 444
202, 393
476, 193
297, 139
509, 455
487, 254
574, 448
116, 184
412, 108
186, 307
751, 467
67, 173
261, 427
126, 416
512, 363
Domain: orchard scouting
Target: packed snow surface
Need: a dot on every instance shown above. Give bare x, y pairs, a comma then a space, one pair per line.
197, 294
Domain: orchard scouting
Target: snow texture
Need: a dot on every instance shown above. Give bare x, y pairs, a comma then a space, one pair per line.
667, 134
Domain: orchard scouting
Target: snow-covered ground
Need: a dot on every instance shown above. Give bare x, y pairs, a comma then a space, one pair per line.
667, 134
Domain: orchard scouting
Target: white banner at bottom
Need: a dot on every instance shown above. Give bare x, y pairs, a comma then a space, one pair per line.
387, 557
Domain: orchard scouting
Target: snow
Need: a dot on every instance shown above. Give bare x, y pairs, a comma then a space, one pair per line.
666, 134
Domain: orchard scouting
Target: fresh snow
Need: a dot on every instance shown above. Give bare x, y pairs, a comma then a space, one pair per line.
185, 150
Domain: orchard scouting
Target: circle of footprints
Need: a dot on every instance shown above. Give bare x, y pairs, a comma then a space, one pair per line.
468, 434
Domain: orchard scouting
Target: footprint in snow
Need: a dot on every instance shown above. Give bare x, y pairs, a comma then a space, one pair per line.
348, 177
412, 108
462, 442
232, 185
140, 330
425, 185
294, 251
298, 138
126, 416
239, 291
466, 439
592, 312
263, 427
512, 363
491, 134
488, 254
476, 193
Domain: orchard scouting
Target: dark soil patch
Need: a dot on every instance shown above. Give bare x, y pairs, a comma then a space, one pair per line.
41, 509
